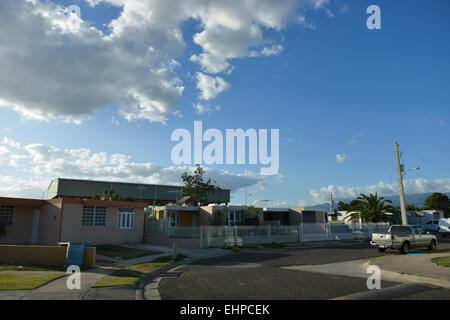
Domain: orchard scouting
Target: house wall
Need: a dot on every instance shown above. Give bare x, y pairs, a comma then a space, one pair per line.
317, 216
205, 216
49, 220
72, 229
294, 218
20, 231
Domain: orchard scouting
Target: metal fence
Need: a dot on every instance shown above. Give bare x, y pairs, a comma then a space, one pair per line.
241, 235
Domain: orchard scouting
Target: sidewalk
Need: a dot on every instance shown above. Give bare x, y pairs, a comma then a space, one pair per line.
57, 289
396, 267
414, 268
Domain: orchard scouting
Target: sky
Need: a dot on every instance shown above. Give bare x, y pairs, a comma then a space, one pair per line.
98, 96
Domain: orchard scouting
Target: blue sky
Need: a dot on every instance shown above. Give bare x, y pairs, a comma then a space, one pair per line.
335, 88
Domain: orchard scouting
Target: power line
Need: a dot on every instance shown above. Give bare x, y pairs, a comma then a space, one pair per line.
425, 160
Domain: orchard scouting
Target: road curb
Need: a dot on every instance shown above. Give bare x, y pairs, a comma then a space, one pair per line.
148, 285
404, 277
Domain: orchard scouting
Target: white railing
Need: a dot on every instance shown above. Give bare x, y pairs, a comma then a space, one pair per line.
213, 236
184, 232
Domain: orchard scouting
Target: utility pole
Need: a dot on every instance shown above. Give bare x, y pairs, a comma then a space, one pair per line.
331, 202
400, 169
140, 188
246, 196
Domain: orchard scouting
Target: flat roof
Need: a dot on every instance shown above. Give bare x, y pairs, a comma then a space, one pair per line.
40, 203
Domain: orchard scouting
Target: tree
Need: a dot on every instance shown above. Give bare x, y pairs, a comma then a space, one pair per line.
196, 187
371, 209
412, 207
342, 206
437, 201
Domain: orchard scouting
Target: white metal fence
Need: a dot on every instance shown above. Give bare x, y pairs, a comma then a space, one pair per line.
241, 235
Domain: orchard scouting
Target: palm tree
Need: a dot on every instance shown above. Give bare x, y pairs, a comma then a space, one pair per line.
371, 209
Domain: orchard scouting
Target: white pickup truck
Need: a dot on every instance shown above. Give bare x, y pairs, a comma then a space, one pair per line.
403, 238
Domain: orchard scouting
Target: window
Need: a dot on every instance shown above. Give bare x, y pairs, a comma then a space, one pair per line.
7, 214
234, 218
125, 218
173, 218
400, 229
93, 216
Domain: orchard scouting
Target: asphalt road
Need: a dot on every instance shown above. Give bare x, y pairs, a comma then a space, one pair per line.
255, 274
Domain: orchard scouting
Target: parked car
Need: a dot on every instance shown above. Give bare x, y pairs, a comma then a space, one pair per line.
404, 238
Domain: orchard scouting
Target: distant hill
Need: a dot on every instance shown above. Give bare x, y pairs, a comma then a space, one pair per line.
417, 199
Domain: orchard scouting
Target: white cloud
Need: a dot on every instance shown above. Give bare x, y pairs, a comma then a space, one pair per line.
210, 87
341, 157
411, 187
270, 51
43, 163
10, 142
355, 138
16, 187
55, 66
202, 108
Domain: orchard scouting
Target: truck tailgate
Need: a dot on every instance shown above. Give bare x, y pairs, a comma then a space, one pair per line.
382, 239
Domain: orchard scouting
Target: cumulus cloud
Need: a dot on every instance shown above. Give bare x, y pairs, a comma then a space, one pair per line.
411, 187
57, 66
210, 87
42, 163
274, 50
341, 157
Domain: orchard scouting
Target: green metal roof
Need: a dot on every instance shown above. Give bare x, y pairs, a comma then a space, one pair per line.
75, 188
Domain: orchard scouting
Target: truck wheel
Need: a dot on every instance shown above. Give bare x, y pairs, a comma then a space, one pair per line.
405, 248
382, 249
432, 245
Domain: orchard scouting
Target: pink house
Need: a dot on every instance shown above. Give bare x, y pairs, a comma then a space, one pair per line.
31, 221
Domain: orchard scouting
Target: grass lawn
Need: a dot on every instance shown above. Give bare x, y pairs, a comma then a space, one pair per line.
255, 246
122, 252
442, 261
131, 274
439, 251
28, 281
17, 267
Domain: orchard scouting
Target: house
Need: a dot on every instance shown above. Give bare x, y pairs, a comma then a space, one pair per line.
281, 216
31, 221
309, 216
211, 215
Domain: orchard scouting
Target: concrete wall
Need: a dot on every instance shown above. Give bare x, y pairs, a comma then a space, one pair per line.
49, 220
42, 255
162, 239
72, 230
20, 231
204, 216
